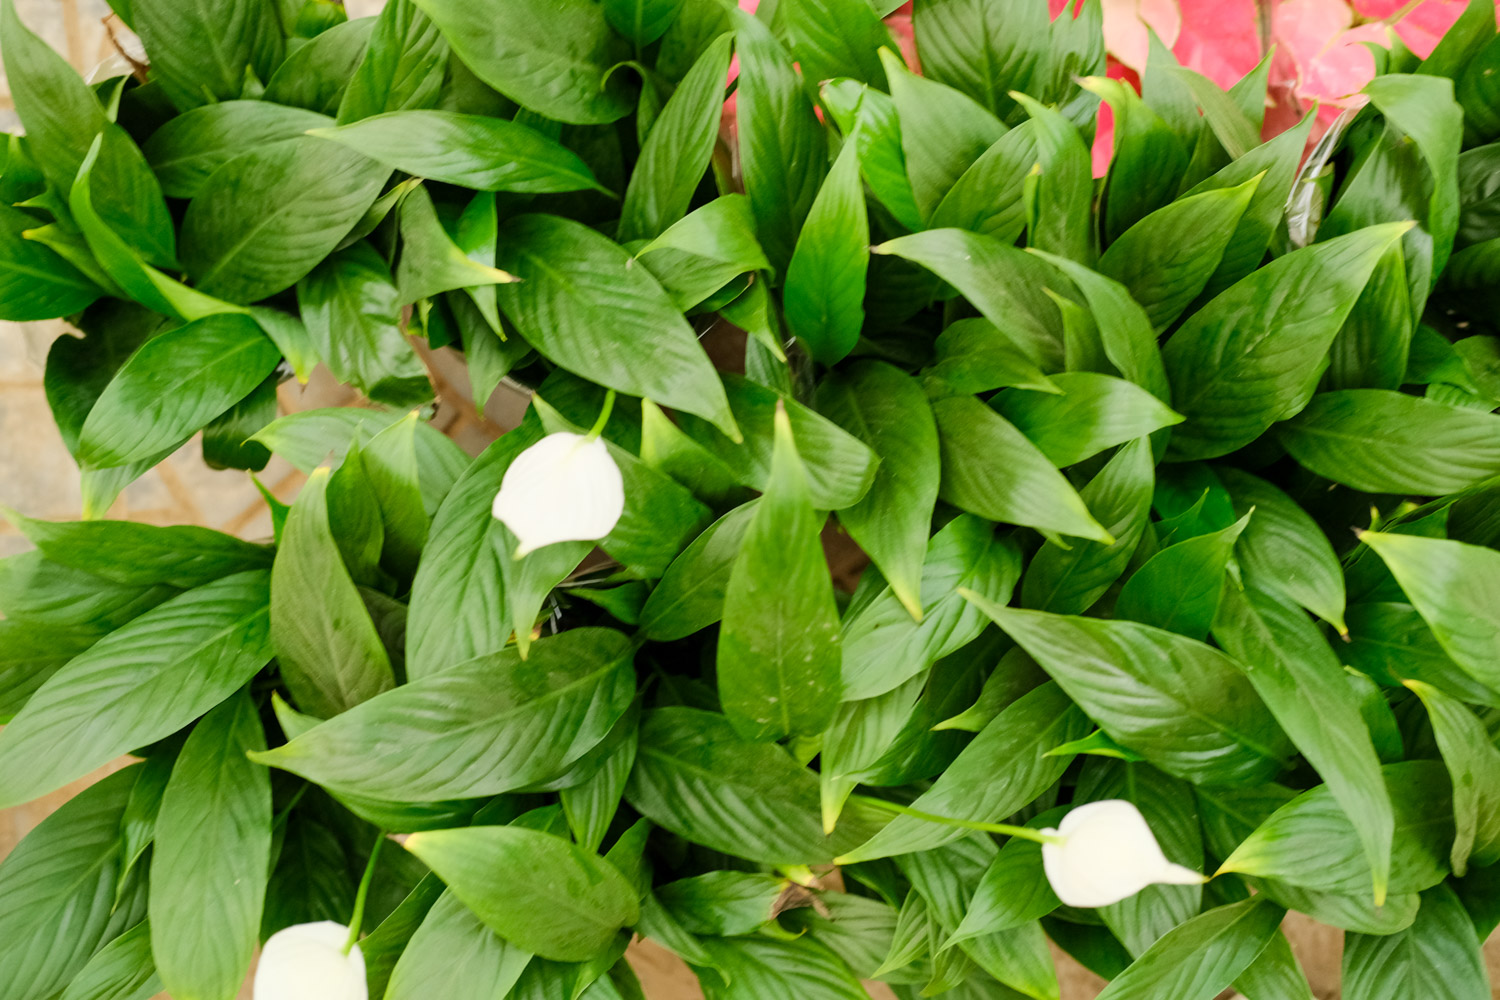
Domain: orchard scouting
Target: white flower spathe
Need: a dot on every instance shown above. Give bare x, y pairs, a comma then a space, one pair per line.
307, 962
564, 488
1108, 853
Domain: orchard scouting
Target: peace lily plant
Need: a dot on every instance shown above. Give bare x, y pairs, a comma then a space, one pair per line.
917, 552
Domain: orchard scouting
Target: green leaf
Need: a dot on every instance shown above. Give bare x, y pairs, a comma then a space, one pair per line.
402, 68
840, 468
212, 855
690, 595
59, 886
1301, 680
59, 112
783, 152
1437, 956
1388, 442
582, 304
974, 356
1005, 767
186, 151
1058, 207
1312, 843
1267, 336
555, 60
494, 724
1070, 579
591, 806
1005, 284
394, 475
778, 650
696, 777
1199, 959
884, 646
676, 151
202, 51
722, 903
1013, 891
349, 303
1230, 124
309, 438
1275, 974
143, 554
173, 385
1282, 550
642, 21
701, 253
1190, 710
473, 151
121, 970
985, 48
36, 590
454, 954
268, 217
887, 410
431, 260
1087, 414
1167, 258
138, 684
991, 469
539, 892
36, 283
761, 968
316, 74
837, 38
1392, 644
988, 197
1178, 588
1452, 585
1373, 347
823, 298
868, 118
1147, 161
1474, 765
331, 657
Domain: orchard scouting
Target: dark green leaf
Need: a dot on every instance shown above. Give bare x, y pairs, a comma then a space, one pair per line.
1144, 168
138, 684
823, 298
1202, 957
642, 21
837, 38
539, 892
867, 117
143, 554
987, 198
690, 595
1190, 710
701, 253
1474, 765
1087, 414
1437, 956
555, 60
1178, 588
491, 725
316, 75
189, 148
722, 903
402, 67
778, 650
212, 855
761, 968
35, 283
202, 51
59, 112
1388, 442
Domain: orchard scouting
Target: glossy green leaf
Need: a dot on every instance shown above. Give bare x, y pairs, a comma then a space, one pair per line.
1474, 765
677, 149
454, 953
201, 51
265, 219
642, 21
1147, 161
1388, 442
330, 654
722, 903
316, 75
36, 283
143, 554
884, 646
59, 884
987, 197
539, 892
823, 298
840, 467
696, 777
1266, 336
1299, 676
703, 252
1088, 414
491, 725
1069, 580
121, 970
1311, 842
580, 303
173, 385
212, 856
887, 410
781, 144
473, 151
778, 650
868, 117
690, 595
1191, 711
1178, 588
189, 148
1013, 890
554, 60
402, 68
974, 356
837, 38
1004, 768
1167, 258
1438, 955
1392, 644
762, 968
138, 684
1058, 203
991, 469
1200, 958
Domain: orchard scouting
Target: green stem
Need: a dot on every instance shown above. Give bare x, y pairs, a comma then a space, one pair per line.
357, 921
1024, 832
598, 428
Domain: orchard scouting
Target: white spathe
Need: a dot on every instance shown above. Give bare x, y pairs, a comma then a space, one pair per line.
564, 488
1108, 853
307, 962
